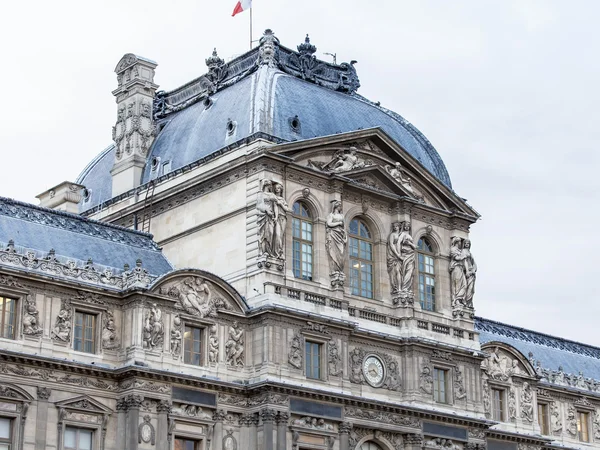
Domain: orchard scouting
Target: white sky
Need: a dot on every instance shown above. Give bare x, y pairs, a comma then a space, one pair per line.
505, 90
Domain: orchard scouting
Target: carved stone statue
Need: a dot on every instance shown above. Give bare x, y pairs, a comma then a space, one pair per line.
527, 403
495, 366
196, 296
234, 347
401, 263
176, 336
470, 273
460, 393
335, 244
153, 328
426, 380
295, 355
62, 327
109, 332
556, 424
281, 209
398, 174
266, 202
213, 345
457, 273
512, 404
487, 401
30, 321
335, 361
572, 421
356, 360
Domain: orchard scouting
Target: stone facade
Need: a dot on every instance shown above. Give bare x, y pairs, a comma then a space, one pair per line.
255, 350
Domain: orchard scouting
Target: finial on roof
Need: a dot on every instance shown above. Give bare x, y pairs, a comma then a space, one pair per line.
307, 47
214, 60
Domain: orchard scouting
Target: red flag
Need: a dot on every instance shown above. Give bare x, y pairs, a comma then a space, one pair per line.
241, 5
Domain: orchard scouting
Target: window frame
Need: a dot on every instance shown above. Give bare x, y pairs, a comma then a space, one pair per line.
78, 429
371, 241
203, 345
96, 330
311, 221
319, 345
543, 413
580, 415
198, 440
502, 399
422, 295
16, 320
10, 441
447, 394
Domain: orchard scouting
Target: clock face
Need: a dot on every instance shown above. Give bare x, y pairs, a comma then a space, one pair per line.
373, 370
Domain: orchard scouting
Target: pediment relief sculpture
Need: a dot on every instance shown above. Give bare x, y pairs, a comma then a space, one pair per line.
342, 160
443, 444
398, 174
196, 296
187, 410
84, 403
502, 366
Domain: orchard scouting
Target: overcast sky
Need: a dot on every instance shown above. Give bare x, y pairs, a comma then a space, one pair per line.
507, 91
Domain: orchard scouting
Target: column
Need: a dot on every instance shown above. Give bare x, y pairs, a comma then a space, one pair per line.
162, 424
268, 417
121, 422
345, 429
41, 420
253, 422
282, 423
134, 402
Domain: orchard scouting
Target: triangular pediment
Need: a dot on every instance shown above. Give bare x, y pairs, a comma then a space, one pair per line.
13, 392
199, 293
373, 159
84, 403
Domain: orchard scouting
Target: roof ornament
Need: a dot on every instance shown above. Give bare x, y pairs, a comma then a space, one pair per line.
306, 47
268, 49
217, 69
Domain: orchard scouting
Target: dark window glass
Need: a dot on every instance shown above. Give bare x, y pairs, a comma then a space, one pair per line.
498, 405
440, 383
186, 444
192, 346
543, 418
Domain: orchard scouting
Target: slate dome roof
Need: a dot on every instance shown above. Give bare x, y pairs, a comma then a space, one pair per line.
279, 93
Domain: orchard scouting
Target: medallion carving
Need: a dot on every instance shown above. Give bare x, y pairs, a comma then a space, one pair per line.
146, 431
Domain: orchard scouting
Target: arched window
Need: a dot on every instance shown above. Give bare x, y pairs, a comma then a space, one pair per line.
370, 446
302, 242
426, 275
361, 259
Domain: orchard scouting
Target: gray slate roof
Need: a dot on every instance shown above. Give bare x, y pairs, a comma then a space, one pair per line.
36, 231
552, 352
262, 98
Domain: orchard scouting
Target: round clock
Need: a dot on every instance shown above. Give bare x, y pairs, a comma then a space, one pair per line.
373, 370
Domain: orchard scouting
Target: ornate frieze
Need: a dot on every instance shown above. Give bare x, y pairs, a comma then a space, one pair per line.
381, 416
196, 296
144, 385
58, 377
476, 433
314, 327
442, 444
313, 423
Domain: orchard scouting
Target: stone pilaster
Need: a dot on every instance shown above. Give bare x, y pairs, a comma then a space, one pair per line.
282, 422
217, 437
345, 428
268, 418
121, 422
163, 409
134, 402
43, 394
413, 441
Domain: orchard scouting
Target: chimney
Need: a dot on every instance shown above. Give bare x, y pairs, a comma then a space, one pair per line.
135, 129
63, 197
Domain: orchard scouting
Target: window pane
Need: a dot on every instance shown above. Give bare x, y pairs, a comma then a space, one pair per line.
295, 227
353, 227
70, 437
85, 440
5, 428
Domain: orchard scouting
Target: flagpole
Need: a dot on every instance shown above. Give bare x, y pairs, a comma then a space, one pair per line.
250, 27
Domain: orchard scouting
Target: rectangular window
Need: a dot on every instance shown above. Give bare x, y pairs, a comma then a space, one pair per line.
5, 434
78, 439
186, 444
192, 346
582, 426
302, 252
7, 319
543, 418
85, 332
498, 405
313, 360
440, 385
426, 282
